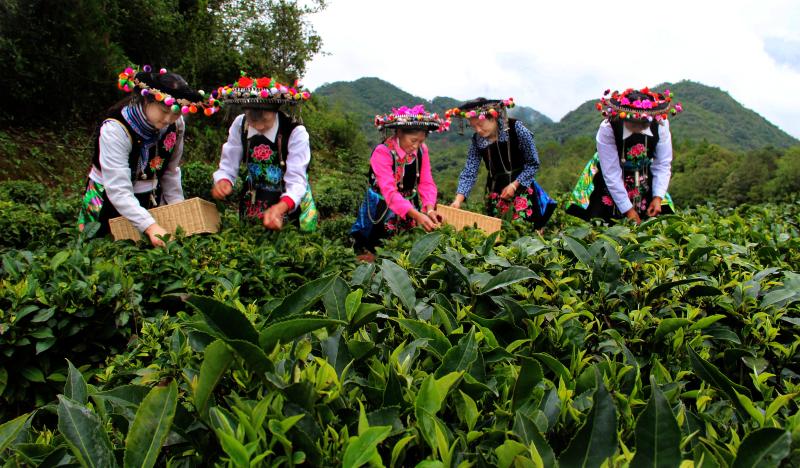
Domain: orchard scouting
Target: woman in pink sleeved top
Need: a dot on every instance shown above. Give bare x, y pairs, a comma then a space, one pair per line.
401, 193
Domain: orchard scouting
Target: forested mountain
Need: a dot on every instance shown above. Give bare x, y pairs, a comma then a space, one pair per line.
710, 115
723, 151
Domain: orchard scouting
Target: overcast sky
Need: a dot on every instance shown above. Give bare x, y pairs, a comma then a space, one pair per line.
554, 55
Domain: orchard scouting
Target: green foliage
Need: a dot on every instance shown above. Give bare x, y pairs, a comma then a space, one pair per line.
663, 344
196, 178
151, 426
24, 225
283, 45
22, 191
208, 42
724, 153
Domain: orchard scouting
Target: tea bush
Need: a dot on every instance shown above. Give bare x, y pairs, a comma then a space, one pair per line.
673, 343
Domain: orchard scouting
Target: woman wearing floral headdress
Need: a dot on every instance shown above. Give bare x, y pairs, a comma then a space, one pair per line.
274, 148
138, 150
509, 154
629, 175
401, 193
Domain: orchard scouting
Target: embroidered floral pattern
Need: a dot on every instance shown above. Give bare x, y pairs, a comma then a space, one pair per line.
520, 207
263, 171
91, 204
637, 153
262, 153
169, 141
156, 163
273, 174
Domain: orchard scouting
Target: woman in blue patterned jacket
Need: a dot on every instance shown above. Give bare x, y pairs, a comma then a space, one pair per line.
509, 154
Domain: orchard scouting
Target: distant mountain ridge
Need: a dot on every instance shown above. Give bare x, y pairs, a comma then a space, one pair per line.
710, 114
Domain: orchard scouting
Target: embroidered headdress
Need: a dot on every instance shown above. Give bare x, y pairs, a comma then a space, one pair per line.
642, 104
412, 118
165, 87
261, 93
481, 108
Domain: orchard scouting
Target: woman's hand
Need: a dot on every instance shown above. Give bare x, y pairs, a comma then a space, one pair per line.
633, 216
153, 231
655, 207
435, 217
510, 191
273, 217
458, 201
221, 189
423, 220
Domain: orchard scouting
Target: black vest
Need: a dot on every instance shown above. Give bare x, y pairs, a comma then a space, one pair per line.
163, 149
281, 144
411, 175
624, 145
503, 160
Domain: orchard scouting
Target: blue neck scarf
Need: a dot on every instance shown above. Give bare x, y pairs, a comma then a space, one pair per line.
134, 115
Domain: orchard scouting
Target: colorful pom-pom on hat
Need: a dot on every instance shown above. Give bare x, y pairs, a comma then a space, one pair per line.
412, 118
165, 87
642, 104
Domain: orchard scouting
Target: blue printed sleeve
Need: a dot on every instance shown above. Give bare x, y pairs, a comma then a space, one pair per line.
470, 172
528, 147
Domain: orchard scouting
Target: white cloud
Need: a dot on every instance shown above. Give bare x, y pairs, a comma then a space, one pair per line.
553, 56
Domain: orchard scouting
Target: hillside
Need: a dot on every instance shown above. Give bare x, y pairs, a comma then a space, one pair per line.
710, 114
366, 97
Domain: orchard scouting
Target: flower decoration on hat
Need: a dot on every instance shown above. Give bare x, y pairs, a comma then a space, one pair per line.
480, 108
412, 118
263, 92
642, 104
167, 88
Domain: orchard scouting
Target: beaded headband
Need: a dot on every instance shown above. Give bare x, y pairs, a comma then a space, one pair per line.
145, 82
491, 107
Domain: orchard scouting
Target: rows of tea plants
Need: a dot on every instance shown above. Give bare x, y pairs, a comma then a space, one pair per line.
673, 343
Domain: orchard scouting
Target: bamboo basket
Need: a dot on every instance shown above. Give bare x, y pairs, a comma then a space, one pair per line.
195, 216
460, 219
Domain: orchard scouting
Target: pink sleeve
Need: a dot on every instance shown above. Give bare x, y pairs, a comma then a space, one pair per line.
381, 162
427, 187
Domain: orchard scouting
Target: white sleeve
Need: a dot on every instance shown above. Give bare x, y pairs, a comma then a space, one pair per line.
115, 148
612, 170
662, 161
171, 187
231, 156
297, 165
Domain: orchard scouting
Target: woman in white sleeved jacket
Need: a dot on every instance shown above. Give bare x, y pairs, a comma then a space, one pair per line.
629, 175
138, 151
274, 149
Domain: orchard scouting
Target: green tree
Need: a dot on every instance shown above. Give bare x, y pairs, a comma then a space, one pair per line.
275, 36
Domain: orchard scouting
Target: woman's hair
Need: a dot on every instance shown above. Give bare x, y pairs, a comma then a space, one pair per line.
133, 98
254, 115
408, 131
